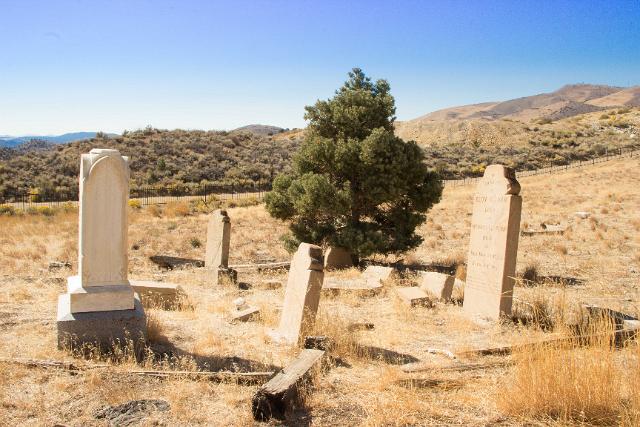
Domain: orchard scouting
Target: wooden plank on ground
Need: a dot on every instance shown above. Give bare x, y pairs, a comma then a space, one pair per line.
226, 376
280, 394
618, 336
263, 266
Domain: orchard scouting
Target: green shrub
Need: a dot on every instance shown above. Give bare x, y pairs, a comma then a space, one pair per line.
7, 210
135, 204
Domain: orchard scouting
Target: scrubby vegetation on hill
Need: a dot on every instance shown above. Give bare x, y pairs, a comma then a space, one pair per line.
158, 157
456, 149
460, 149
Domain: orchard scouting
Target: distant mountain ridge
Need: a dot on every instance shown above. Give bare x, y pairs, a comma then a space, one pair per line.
262, 130
14, 141
500, 120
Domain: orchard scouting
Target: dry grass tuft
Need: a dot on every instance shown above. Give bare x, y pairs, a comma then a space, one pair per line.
573, 385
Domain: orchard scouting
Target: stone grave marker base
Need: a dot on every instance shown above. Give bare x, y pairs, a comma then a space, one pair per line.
101, 328
97, 298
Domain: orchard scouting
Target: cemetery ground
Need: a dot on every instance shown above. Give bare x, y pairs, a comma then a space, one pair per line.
596, 260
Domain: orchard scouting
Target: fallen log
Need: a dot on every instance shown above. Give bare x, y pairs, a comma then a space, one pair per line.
263, 266
281, 393
618, 336
423, 367
222, 376
56, 364
172, 262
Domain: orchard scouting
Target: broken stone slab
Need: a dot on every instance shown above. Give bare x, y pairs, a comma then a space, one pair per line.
282, 392
545, 229
377, 274
359, 287
166, 295
413, 296
582, 214
245, 314
438, 284
337, 258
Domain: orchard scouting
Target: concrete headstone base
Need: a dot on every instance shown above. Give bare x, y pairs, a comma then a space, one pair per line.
103, 328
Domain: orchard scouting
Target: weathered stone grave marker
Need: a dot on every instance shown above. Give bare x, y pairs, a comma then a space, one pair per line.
302, 294
438, 284
413, 296
100, 305
493, 246
218, 240
337, 258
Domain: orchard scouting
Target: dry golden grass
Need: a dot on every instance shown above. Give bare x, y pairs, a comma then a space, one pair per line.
596, 261
594, 383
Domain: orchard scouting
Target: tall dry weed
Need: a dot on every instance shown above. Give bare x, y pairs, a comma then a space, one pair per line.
582, 381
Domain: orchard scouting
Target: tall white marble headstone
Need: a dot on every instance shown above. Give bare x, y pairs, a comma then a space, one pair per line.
493, 246
102, 283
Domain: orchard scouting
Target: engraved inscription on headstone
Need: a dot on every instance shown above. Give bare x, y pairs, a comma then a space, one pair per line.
493, 247
302, 295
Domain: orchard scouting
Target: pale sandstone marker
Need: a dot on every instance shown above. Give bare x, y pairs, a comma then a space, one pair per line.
377, 274
100, 303
438, 284
218, 241
337, 258
493, 246
302, 294
413, 296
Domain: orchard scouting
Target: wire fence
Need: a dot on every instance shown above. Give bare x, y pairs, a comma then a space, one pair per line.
150, 195
630, 151
145, 195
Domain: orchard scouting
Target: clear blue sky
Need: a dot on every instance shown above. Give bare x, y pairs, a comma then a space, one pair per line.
114, 65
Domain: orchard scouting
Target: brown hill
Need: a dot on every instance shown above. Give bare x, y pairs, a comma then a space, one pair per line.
158, 158
629, 97
496, 122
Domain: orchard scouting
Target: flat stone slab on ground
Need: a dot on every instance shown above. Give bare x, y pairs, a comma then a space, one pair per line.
160, 293
377, 274
438, 284
245, 314
413, 296
357, 286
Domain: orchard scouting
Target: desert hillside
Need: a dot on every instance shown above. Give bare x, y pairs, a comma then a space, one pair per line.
158, 158
526, 133
511, 122
595, 261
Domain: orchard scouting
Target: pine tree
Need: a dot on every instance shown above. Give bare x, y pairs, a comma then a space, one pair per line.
354, 183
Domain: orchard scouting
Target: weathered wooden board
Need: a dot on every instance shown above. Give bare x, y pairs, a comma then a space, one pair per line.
280, 394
